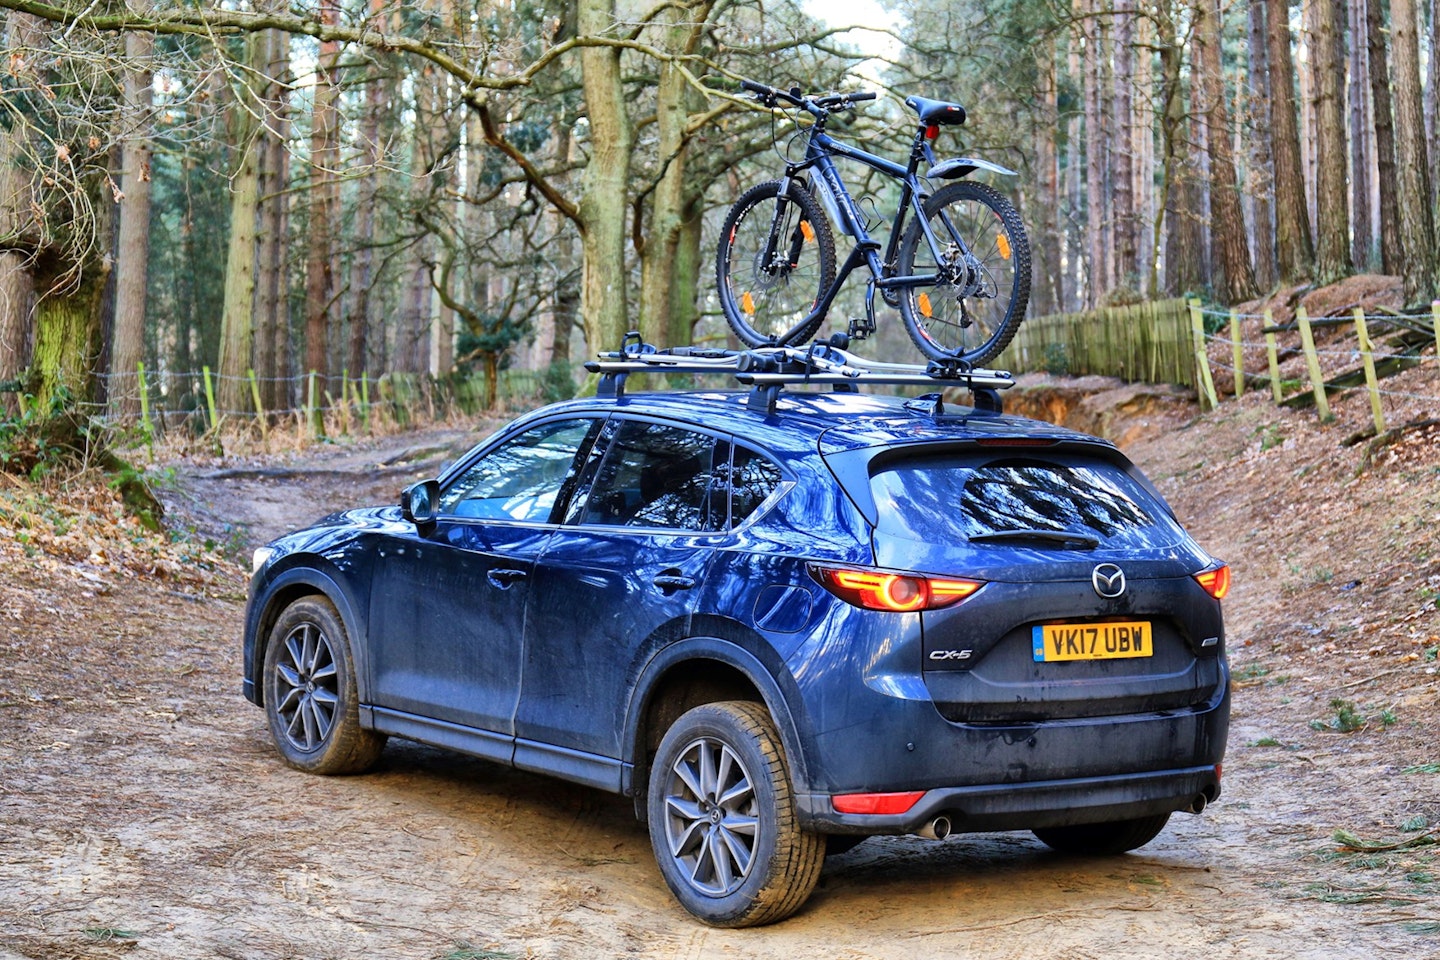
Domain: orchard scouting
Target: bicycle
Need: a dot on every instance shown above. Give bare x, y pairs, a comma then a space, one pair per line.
956, 263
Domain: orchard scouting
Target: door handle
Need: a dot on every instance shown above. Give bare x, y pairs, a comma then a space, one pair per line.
503, 577
670, 582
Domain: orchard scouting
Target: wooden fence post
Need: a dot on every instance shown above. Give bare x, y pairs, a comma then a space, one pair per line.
312, 411
365, 400
210, 398
259, 407
1312, 362
145, 423
1237, 352
1274, 356
1205, 384
1367, 358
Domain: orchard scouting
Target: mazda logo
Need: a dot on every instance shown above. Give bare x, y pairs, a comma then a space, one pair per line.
1108, 580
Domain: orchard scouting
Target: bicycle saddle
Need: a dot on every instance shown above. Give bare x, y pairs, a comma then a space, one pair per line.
936, 111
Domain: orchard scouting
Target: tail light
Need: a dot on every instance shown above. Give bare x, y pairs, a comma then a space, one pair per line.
1216, 582
895, 592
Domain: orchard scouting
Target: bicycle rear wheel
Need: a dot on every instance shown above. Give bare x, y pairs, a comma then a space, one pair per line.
974, 309
776, 256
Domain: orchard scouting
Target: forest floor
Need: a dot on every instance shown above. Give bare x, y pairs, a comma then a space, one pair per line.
143, 811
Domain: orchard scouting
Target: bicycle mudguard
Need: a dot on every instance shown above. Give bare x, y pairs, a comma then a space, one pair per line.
957, 167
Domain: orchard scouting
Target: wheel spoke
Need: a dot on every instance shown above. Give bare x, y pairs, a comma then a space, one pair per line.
737, 850
719, 855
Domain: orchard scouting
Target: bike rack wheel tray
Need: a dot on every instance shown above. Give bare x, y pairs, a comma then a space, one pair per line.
770, 369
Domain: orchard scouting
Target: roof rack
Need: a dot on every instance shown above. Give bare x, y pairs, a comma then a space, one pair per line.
770, 369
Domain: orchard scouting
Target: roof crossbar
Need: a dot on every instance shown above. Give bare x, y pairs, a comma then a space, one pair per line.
770, 369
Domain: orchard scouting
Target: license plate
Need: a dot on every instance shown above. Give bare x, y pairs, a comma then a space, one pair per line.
1092, 641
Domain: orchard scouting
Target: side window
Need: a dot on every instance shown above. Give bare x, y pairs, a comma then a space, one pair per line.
521, 479
654, 475
751, 478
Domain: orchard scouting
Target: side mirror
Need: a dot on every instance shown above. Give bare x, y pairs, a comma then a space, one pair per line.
418, 502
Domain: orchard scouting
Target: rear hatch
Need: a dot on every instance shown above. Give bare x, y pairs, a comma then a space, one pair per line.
1089, 606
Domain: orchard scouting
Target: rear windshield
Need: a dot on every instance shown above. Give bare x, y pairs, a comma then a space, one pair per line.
945, 498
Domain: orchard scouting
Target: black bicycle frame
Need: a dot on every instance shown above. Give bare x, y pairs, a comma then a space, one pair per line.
819, 149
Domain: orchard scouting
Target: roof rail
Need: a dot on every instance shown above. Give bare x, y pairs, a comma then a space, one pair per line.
770, 369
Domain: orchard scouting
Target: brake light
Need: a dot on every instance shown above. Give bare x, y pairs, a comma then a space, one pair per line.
882, 803
1216, 582
894, 592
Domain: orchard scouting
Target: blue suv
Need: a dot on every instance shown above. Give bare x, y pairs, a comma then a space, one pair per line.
781, 628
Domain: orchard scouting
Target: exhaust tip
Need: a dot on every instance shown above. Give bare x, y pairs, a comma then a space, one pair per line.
937, 829
1198, 804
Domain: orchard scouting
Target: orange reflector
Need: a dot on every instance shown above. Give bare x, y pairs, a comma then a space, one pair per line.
808, 231
747, 303
878, 803
923, 302
1003, 242
1216, 582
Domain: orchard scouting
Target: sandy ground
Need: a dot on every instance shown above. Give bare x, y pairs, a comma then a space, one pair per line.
143, 811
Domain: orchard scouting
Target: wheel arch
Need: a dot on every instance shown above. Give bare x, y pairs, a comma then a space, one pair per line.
289, 586
691, 673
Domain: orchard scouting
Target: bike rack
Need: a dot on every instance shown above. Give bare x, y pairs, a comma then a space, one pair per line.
823, 363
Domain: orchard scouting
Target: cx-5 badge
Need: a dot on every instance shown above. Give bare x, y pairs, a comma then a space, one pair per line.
1108, 580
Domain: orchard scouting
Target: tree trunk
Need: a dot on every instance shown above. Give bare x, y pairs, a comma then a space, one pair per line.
602, 205
1097, 223
1261, 177
658, 256
1077, 289
272, 304
1362, 242
67, 335
18, 231
1294, 252
1332, 218
1125, 252
1392, 255
1417, 227
325, 163
132, 258
1048, 295
237, 321
1227, 220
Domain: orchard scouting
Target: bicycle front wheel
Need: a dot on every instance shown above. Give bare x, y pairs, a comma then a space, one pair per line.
980, 259
776, 257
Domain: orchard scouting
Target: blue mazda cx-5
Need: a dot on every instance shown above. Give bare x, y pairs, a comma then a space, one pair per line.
780, 630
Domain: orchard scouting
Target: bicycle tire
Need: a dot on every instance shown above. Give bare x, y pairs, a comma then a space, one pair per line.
761, 305
944, 324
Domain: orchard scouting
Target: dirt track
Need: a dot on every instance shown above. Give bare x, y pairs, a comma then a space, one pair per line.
143, 812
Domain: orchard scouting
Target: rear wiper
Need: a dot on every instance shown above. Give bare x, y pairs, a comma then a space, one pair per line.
1060, 538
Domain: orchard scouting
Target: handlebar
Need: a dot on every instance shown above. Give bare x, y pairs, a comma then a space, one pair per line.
770, 96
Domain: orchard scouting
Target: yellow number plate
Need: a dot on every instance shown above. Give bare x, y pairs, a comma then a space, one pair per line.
1092, 641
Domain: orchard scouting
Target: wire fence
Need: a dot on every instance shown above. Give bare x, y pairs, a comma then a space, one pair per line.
193, 402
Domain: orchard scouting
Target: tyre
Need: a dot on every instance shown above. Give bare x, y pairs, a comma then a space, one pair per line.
1104, 839
311, 701
972, 313
722, 819
765, 297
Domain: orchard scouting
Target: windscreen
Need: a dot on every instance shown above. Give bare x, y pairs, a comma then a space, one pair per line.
958, 497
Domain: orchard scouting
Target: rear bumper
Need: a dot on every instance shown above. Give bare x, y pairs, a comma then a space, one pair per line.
1025, 806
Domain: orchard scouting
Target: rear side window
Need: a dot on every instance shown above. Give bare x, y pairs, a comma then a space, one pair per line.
963, 497
655, 475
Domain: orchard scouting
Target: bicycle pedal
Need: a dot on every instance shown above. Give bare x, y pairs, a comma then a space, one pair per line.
860, 328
